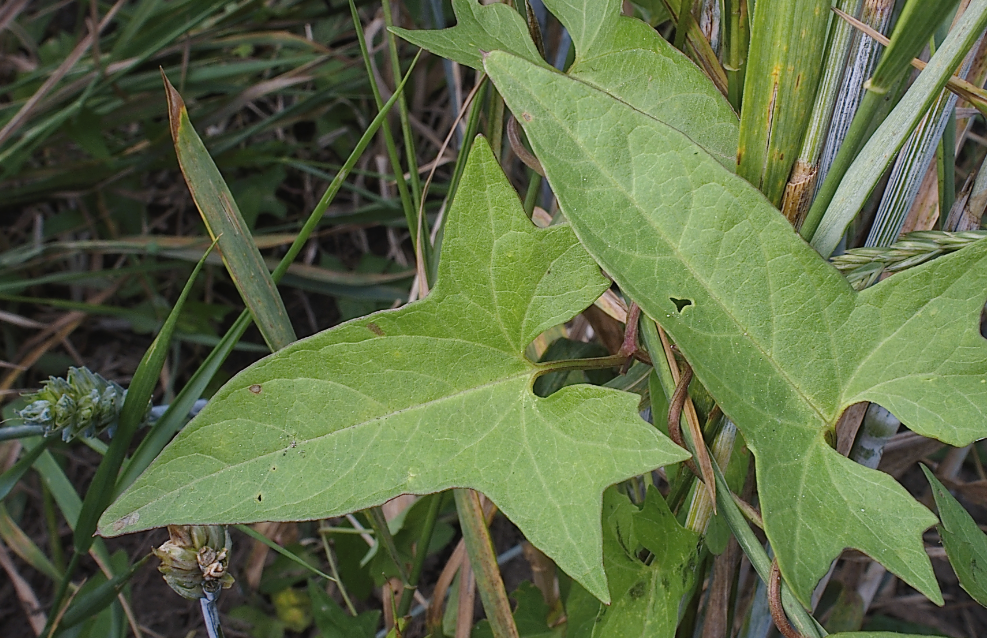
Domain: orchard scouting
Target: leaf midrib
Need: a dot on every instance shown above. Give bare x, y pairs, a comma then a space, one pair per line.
229, 467
672, 247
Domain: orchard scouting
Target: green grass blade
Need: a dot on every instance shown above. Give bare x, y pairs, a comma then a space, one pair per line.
100, 491
918, 21
174, 418
91, 603
12, 476
909, 171
257, 536
344, 172
409, 206
409, 140
227, 226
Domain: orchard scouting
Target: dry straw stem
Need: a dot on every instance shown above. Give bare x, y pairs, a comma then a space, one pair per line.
962, 88
483, 562
802, 182
698, 48
28, 599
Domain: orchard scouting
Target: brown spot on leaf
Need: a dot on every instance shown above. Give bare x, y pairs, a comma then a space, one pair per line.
374, 328
527, 117
255, 388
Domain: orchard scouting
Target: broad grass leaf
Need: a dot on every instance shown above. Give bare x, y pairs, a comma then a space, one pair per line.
787, 50
774, 332
965, 543
431, 396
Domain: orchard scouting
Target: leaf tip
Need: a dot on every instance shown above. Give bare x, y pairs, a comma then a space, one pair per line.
175, 105
118, 526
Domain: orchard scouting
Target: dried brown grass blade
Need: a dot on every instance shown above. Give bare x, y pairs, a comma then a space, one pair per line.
969, 92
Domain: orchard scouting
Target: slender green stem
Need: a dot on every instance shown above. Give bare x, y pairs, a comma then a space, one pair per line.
11, 477
21, 431
683, 24
421, 553
257, 536
382, 533
596, 363
313, 220
323, 533
472, 124
409, 207
531, 195
737, 41
51, 522
759, 558
483, 560
495, 123
409, 140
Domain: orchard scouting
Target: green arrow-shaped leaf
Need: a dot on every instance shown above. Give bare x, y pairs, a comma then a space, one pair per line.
646, 597
775, 333
622, 56
479, 28
431, 396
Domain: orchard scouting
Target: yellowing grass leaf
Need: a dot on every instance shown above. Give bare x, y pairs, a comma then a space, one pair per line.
225, 223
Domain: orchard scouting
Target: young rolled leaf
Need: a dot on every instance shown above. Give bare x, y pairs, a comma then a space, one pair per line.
774, 332
965, 543
424, 398
226, 225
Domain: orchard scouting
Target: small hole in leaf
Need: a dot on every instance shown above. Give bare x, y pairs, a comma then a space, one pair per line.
680, 304
260, 498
